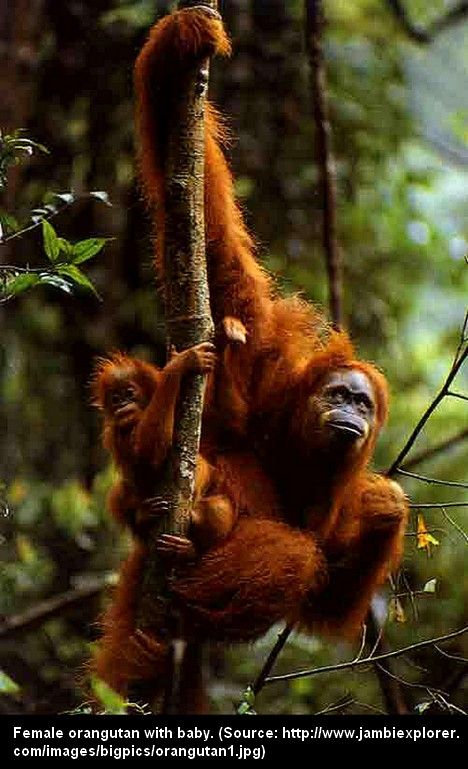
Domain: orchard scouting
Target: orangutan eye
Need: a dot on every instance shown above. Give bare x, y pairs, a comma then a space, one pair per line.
338, 394
116, 398
363, 401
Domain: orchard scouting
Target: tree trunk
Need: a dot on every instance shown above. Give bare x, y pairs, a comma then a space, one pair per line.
188, 323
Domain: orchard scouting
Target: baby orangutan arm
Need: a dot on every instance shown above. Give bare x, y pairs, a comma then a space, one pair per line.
154, 433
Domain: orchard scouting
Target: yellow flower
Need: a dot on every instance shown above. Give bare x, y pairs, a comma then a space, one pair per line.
425, 540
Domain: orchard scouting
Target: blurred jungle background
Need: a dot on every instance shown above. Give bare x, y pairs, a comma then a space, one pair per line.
397, 85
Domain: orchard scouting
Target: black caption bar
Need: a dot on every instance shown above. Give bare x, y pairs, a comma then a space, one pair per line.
55, 739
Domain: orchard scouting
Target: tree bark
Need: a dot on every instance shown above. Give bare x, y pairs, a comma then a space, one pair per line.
325, 160
188, 321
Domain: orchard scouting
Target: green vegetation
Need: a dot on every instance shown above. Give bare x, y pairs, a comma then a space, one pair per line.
399, 122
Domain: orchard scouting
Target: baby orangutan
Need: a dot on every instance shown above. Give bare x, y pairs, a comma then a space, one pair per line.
138, 401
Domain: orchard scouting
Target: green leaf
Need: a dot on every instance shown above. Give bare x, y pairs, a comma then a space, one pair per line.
7, 686
86, 249
8, 222
245, 707
78, 277
112, 702
26, 550
21, 283
56, 281
65, 246
51, 241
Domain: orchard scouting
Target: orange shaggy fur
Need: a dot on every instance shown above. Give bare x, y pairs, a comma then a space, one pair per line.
316, 531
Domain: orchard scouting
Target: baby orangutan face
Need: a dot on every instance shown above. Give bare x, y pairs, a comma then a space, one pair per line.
126, 397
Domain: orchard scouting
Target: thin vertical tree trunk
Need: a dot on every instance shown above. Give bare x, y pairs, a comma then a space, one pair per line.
188, 321
325, 160
20, 33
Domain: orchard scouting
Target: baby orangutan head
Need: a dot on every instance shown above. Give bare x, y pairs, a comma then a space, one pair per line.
122, 388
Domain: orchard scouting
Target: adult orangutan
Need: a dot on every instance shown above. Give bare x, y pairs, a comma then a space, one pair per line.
297, 398
314, 438
283, 370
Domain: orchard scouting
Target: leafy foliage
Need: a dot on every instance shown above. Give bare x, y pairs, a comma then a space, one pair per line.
13, 148
64, 255
404, 231
7, 686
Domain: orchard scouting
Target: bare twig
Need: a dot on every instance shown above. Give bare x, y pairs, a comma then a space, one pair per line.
461, 396
352, 664
451, 656
259, 682
437, 695
434, 451
450, 706
343, 702
455, 525
35, 225
434, 505
325, 160
65, 204
376, 642
435, 481
363, 642
11, 268
41, 612
460, 357
392, 693
426, 35
413, 594
411, 684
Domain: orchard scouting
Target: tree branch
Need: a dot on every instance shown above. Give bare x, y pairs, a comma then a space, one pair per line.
41, 612
259, 682
461, 396
433, 451
367, 660
392, 692
434, 505
188, 321
420, 34
435, 481
460, 357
